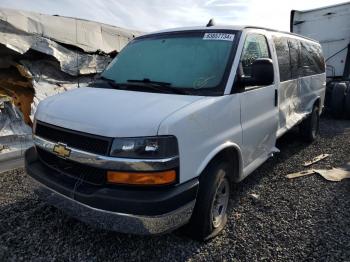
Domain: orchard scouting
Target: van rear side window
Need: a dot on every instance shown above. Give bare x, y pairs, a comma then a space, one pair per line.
283, 57
311, 60
298, 58
294, 49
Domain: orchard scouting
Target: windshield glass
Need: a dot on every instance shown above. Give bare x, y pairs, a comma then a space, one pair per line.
194, 61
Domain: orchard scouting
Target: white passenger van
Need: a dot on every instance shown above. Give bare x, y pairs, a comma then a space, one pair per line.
176, 118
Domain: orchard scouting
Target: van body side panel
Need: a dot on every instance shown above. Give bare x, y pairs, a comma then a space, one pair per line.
296, 99
289, 105
299, 89
312, 88
201, 128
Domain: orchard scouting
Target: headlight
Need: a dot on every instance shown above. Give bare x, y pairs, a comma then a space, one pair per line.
145, 147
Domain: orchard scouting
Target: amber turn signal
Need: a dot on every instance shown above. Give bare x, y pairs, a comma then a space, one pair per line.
151, 178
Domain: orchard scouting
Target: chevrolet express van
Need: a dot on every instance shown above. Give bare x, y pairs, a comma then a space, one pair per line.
174, 120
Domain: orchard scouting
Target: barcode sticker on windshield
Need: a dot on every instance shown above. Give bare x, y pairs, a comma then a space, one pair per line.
219, 36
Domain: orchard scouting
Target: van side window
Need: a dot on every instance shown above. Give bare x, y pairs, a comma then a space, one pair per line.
317, 54
255, 47
283, 57
307, 63
311, 60
297, 58
294, 49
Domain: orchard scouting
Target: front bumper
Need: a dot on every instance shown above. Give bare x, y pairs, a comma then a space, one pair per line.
124, 209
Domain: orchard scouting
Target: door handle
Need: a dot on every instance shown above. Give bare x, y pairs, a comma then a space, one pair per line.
276, 97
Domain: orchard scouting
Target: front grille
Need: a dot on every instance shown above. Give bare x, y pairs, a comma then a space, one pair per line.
83, 141
88, 174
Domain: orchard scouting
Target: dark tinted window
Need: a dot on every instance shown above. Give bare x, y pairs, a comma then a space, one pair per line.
312, 61
255, 47
319, 58
294, 50
307, 67
298, 58
283, 57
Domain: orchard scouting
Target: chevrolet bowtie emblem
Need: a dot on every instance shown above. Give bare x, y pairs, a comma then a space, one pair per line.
61, 150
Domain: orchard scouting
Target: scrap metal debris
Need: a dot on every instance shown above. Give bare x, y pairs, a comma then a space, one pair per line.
334, 174
11, 120
301, 173
86, 35
2, 147
43, 55
316, 159
255, 196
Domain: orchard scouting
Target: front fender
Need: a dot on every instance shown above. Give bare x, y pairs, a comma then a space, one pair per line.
219, 149
203, 129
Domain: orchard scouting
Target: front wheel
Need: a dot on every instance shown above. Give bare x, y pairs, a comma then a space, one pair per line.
210, 213
309, 128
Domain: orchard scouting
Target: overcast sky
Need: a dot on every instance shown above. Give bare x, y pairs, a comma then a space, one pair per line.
148, 15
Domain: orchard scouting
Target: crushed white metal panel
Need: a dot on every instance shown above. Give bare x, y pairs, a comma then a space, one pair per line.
11, 120
71, 62
48, 80
41, 56
87, 35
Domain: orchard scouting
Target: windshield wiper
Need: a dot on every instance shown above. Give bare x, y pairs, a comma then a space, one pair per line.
159, 86
147, 80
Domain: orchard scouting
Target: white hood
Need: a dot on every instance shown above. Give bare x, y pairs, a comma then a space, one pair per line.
109, 112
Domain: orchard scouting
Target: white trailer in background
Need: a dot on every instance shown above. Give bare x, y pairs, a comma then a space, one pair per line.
331, 27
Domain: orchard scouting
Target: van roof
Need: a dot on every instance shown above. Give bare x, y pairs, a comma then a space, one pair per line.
228, 27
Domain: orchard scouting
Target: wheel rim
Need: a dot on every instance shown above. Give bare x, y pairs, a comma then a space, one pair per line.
220, 203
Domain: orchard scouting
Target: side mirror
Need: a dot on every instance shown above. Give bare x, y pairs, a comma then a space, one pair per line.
262, 73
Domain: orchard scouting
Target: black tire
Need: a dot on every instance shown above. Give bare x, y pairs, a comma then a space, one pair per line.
309, 128
328, 96
202, 225
347, 103
338, 99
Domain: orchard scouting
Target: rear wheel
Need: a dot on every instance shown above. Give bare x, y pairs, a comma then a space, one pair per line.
210, 213
347, 103
309, 128
328, 95
338, 98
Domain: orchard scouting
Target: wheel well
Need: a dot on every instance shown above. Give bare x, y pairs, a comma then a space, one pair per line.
230, 155
318, 104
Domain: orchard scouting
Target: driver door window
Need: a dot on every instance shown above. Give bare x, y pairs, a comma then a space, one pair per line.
255, 47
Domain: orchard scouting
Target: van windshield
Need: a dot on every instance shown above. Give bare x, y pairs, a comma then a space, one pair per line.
195, 62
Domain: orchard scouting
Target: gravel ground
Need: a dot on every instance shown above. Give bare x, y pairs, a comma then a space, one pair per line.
271, 218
